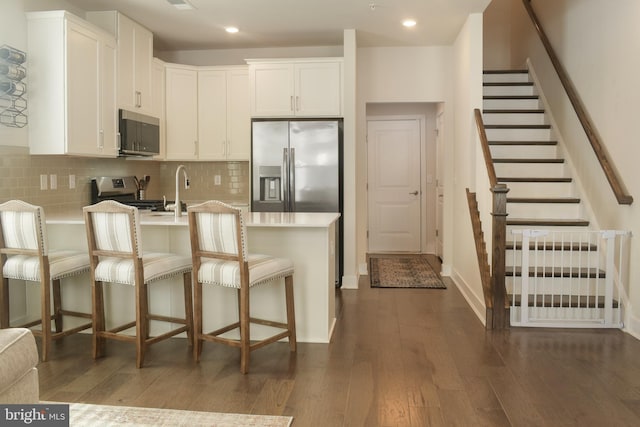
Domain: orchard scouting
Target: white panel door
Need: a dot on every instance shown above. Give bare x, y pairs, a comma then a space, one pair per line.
394, 185
439, 184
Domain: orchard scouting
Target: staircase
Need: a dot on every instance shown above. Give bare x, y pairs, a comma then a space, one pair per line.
566, 261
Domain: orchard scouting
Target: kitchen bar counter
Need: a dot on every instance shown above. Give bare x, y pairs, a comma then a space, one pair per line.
308, 239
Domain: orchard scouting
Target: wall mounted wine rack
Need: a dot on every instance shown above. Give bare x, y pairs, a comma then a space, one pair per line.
13, 89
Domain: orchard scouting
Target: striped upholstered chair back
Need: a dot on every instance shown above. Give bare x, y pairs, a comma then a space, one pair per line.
113, 229
22, 229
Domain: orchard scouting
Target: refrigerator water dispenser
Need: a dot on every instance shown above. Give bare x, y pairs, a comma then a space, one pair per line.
270, 184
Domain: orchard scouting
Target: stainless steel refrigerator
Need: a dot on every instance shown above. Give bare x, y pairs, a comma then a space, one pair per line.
297, 167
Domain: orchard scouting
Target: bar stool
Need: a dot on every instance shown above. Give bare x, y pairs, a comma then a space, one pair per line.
219, 251
25, 255
115, 242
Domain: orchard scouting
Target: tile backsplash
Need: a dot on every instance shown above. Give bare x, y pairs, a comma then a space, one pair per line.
20, 178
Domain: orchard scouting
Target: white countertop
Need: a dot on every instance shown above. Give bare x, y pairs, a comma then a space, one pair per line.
252, 219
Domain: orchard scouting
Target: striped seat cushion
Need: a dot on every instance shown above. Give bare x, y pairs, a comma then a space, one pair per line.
62, 263
262, 269
156, 266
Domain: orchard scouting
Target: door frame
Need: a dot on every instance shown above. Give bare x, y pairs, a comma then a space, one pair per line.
421, 118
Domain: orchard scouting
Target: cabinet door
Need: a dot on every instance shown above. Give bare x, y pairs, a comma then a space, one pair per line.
157, 102
212, 115
108, 107
143, 57
126, 58
238, 115
272, 90
318, 89
83, 91
181, 113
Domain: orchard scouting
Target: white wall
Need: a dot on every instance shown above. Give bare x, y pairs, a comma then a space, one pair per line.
467, 75
396, 75
496, 35
598, 44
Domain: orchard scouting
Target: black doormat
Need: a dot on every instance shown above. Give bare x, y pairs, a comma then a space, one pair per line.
403, 272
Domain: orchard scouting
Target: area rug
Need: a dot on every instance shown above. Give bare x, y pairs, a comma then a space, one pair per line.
83, 414
403, 272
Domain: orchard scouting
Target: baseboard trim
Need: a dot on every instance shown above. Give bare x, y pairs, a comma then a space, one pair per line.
350, 282
476, 304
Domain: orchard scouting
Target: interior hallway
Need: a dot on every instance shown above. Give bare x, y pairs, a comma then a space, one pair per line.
399, 357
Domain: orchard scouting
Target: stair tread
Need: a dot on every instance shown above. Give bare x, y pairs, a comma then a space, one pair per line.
513, 111
526, 160
523, 142
533, 179
507, 84
548, 221
554, 246
517, 126
564, 272
543, 200
510, 97
561, 301
510, 71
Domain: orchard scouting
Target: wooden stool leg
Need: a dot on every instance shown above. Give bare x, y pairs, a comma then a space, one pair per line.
188, 306
245, 339
4, 303
97, 317
57, 305
45, 301
197, 316
142, 322
291, 315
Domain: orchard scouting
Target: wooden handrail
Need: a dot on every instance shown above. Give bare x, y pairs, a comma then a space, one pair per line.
488, 161
615, 183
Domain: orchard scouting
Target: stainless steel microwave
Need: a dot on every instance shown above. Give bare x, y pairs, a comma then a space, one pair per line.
139, 134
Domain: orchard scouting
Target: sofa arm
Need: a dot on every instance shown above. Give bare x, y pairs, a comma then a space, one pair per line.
18, 372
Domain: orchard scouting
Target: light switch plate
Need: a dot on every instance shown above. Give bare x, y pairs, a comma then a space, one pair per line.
217, 180
53, 181
43, 182
72, 182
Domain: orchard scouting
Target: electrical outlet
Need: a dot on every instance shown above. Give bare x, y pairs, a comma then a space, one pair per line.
53, 181
72, 182
43, 182
217, 180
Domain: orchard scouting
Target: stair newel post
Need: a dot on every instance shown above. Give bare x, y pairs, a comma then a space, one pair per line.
498, 259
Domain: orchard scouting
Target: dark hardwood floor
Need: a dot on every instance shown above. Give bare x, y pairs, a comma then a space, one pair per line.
399, 357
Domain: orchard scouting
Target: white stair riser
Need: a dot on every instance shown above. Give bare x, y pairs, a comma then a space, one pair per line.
513, 119
540, 189
557, 285
553, 260
544, 210
523, 151
537, 170
508, 90
506, 77
510, 104
519, 134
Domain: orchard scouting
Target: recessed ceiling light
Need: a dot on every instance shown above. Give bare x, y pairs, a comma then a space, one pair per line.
409, 23
231, 30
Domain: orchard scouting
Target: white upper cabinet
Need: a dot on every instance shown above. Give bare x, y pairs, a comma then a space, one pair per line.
301, 87
223, 114
181, 112
207, 113
72, 73
158, 102
135, 59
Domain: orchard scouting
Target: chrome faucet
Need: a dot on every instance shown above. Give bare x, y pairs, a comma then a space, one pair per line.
177, 206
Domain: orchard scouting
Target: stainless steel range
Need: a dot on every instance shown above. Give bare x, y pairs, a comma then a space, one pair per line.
124, 189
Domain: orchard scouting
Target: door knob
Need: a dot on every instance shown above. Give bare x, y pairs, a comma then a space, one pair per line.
415, 193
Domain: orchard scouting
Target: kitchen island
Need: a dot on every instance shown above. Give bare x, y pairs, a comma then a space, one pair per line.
308, 239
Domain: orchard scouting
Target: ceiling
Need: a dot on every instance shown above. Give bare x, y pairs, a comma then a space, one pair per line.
289, 23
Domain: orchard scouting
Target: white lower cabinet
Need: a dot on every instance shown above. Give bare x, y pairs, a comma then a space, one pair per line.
207, 113
72, 93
